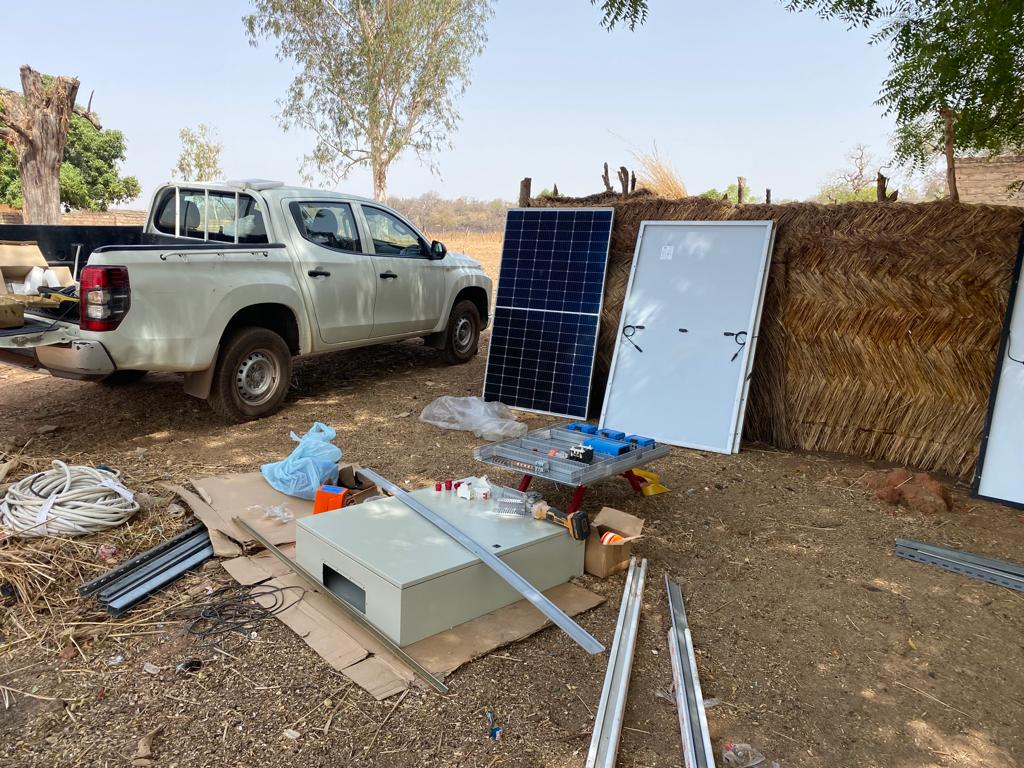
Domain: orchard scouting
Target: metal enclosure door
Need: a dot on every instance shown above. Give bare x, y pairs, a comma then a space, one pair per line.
1000, 472
686, 339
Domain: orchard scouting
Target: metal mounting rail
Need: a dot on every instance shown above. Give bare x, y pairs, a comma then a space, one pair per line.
693, 722
604, 741
351, 612
998, 572
492, 561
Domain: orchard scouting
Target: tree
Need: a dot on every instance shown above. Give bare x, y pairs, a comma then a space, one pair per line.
956, 83
632, 13
731, 194
376, 77
35, 125
200, 154
89, 176
857, 181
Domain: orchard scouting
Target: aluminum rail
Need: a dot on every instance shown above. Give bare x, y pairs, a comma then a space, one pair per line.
604, 741
693, 722
351, 612
492, 561
998, 572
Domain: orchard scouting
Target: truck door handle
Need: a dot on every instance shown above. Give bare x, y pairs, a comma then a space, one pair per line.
388, 276
318, 273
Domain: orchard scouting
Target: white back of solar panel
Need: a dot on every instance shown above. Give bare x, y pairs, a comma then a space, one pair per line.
681, 366
1000, 472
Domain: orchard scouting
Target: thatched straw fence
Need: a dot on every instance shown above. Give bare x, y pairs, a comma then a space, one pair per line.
881, 322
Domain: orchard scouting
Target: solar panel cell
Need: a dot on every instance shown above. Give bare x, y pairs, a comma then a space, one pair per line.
550, 285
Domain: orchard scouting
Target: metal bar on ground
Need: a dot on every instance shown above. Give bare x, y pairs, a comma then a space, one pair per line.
492, 561
604, 740
1000, 573
123, 602
1014, 569
349, 611
693, 722
150, 568
117, 572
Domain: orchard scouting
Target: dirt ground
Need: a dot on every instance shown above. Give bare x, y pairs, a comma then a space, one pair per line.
821, 647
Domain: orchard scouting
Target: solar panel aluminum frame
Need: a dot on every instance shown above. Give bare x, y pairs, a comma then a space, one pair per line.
747, 351
600, 309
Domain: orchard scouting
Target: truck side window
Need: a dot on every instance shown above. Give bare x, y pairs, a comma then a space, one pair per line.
392, 236
218, 217
331, 225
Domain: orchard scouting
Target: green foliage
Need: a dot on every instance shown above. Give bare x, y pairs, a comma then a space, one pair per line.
200, 154
89, 173
632, 13
374, 78
964, 56
730, 193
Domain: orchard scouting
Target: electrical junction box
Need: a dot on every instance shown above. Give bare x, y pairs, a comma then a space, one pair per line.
412, 580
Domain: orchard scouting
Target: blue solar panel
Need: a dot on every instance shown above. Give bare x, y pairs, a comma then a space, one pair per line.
548, 309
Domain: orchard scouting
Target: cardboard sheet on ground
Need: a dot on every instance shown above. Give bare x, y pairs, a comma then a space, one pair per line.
245, 496
357, 654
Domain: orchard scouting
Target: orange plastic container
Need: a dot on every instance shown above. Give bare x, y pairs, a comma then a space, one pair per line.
329, 497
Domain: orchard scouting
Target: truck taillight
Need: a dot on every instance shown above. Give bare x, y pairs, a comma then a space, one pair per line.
105, 297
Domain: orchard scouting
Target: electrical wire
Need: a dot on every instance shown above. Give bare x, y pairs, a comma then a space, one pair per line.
233, 609
67, 500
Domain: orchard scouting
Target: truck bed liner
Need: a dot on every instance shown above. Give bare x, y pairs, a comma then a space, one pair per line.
31, 326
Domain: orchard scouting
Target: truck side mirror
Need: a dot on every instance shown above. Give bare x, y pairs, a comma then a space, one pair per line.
437, 250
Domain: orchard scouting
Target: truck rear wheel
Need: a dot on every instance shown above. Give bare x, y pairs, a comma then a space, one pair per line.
462, 335
253, 373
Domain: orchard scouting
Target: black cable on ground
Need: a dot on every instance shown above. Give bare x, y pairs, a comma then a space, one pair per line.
233, 609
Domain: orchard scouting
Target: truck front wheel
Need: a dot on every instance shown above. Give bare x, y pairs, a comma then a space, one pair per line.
462, 334
253, 373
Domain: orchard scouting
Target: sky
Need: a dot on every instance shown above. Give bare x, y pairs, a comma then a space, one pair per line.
727, 88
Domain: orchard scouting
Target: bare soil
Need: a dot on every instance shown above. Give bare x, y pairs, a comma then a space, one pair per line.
822, 648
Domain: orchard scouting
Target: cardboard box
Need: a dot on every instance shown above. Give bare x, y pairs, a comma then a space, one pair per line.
603, 560
12, 314
362, 489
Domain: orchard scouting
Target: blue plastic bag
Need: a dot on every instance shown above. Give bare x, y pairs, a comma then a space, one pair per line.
313, 463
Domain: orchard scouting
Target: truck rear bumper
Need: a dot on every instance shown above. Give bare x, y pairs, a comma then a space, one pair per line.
79, 359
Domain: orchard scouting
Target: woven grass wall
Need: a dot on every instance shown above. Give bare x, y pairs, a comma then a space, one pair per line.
881, 322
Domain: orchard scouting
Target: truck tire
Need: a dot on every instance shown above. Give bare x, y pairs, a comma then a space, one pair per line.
254, 371
462, 334
122, 378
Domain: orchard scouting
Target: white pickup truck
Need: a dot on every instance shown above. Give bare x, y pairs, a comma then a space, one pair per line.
228, 282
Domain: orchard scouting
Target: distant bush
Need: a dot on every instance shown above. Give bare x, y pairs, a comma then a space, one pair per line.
433, 213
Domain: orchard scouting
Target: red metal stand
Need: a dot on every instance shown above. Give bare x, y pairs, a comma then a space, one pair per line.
576, 502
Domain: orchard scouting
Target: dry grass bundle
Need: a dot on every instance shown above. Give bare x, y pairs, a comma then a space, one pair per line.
657, 176
880, 328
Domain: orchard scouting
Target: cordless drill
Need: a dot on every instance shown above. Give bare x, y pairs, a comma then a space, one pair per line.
578, 524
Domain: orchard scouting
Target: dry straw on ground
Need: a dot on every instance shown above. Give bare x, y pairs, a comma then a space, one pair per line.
881, 321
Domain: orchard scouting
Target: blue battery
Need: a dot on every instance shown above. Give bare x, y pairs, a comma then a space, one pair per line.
643, 442
606, 446
614, 434
582, 426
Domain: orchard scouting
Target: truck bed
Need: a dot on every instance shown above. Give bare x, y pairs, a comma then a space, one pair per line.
32, 325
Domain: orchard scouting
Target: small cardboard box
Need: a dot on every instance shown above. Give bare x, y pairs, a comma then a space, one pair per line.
361, 488
12, 314
602, 560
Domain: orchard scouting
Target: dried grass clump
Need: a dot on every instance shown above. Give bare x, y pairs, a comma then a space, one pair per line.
880, 328
656, 175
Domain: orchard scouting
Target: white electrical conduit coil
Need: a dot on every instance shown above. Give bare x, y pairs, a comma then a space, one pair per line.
66, 501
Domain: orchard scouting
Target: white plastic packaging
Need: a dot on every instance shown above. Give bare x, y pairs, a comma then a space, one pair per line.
491, 421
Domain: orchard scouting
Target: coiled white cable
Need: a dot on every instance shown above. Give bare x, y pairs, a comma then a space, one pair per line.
66, 501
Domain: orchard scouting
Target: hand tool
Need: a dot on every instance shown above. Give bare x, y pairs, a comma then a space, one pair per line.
576, 523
